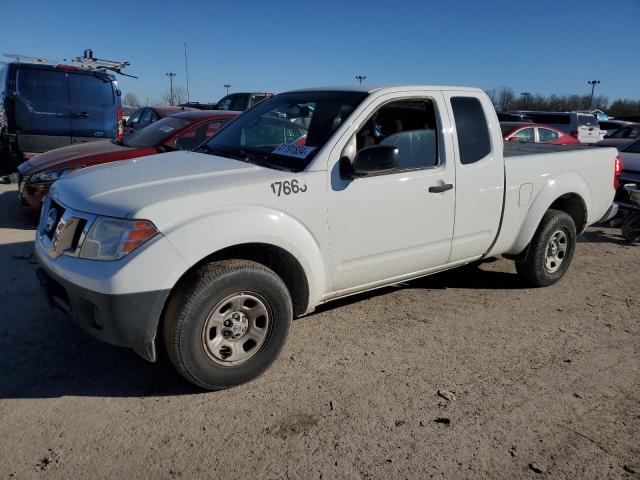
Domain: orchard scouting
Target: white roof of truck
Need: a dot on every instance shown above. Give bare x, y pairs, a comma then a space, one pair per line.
390, 88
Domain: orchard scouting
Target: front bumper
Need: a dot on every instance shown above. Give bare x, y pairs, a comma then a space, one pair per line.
120, 301
126, 320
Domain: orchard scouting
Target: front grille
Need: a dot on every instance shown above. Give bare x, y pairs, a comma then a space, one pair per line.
57, 210
62, 230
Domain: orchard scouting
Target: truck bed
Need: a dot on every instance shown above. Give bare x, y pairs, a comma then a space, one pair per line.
512, 149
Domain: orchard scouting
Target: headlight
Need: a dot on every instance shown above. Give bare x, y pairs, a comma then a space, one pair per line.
112, 238
47, 177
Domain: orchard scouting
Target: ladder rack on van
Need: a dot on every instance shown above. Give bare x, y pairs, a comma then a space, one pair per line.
87, 62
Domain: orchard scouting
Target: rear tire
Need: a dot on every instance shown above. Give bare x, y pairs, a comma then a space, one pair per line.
227, 324
550, 251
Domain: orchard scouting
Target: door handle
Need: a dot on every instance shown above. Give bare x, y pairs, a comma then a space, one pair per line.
83, 115
441, 188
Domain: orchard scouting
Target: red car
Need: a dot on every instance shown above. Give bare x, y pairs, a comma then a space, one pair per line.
522, 132
181, 131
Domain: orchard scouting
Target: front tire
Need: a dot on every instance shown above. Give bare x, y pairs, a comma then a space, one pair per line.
227, 324
550, 251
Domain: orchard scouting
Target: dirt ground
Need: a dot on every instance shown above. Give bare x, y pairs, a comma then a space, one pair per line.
541, 383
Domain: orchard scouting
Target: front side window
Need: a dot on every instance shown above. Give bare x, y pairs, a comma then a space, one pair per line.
287, 130
547, 136
409, 125
156, 133
135, 117
90, 90
196, 136
474, 142
145, 118
526, 135
257, 99
43, 86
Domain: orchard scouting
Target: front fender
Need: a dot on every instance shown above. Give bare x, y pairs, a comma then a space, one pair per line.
208, 233
556, 186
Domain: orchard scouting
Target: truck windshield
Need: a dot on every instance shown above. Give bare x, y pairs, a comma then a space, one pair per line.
285, 131
156, 133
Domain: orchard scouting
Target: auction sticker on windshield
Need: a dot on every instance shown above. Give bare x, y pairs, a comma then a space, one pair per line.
166, 129
298, 151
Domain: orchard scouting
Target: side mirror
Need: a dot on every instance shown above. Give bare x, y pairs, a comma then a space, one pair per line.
374, 160
513, 139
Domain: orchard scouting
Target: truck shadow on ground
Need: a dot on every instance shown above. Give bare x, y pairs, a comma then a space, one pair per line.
470, 276
14, 216
598, 235
45, 355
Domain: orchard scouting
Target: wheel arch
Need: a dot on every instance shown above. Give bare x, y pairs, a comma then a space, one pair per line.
566, 192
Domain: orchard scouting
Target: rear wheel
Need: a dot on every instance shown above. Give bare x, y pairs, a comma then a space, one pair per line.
228, 323
550, 251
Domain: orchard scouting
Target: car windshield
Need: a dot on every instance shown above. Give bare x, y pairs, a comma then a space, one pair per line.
285, 131
156, 133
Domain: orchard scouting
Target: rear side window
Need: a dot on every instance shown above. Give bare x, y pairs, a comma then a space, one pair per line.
90, 90
546, 135
473, 133
588, 120
43, 86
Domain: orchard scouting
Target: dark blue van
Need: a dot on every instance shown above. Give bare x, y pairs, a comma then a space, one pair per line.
43, 107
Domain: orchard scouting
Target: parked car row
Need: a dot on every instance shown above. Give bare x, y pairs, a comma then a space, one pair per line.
47, 106
181, 131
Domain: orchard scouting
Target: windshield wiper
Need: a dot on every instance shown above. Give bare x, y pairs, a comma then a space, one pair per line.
221, 152
253, 158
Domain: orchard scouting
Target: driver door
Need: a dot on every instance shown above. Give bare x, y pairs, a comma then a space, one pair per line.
391, 225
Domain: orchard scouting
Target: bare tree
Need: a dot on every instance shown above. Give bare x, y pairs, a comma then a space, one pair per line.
179, 96
131, 99
506, 98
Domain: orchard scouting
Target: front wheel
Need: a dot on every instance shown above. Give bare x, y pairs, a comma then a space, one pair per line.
227, 324
550, 251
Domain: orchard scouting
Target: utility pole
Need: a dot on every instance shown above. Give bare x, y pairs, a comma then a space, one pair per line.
171, 75
227, 86
593, 84
186, 68
360, 78
525, 98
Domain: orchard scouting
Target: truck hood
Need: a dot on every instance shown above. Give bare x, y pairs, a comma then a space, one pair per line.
117, 189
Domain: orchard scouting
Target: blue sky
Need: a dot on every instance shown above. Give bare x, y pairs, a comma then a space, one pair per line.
538, 46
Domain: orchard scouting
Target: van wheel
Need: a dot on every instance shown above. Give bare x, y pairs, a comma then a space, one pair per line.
550, 251
227, 324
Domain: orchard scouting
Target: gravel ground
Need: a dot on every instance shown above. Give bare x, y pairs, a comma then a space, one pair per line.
538, 383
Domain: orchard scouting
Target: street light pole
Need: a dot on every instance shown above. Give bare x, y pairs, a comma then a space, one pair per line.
360, 78
171, 75
525, 98
227, 86
593, 84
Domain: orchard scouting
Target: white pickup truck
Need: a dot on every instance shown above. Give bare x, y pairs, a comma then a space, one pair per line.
309, 196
